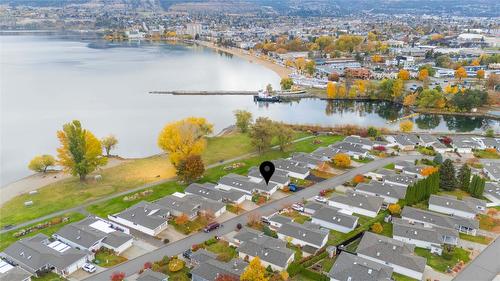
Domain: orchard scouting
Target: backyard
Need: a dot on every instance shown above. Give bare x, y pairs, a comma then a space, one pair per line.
440, 263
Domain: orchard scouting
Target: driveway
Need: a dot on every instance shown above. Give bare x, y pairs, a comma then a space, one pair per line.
132, 266
139, 248
431, 274
249, 205
171, 234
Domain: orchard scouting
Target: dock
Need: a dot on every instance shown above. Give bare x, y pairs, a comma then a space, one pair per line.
281, 94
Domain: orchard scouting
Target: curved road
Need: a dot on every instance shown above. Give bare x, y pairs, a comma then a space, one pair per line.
175, 248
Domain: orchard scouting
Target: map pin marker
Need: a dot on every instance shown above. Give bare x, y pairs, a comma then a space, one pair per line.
267, 170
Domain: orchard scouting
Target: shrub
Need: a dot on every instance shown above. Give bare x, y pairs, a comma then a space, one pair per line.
117, 276
358, 179
175, 265
294, 268
342, 160
239, 226
211, 241
147, 265
377, 227
224, 257
394, 209
379, 148
166, 241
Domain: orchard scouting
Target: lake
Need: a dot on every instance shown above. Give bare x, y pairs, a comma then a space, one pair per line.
46, 81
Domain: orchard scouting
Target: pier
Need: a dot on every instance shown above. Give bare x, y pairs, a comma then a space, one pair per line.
281, 94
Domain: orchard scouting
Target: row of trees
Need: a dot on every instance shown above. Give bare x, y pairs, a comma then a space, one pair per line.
474, 186
422, 189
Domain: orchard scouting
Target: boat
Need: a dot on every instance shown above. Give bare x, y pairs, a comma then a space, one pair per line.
266, 96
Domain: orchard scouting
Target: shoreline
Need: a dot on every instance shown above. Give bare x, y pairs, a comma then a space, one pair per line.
282, 72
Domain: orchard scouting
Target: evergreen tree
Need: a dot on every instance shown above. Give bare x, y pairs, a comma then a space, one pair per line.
447, 178
464, 177
476, 187
438, 159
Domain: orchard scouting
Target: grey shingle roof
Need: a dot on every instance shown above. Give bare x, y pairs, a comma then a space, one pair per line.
290, 166
327, 152
460, 141
383, 189
359, 200
190, 204
245, 184
9, 272
33, 253
246, 234
390, 250
358, 269
314, 205
304, 232
332, 215
206, 190
401, 178
269, 249
210, 269
417, 231
358, 140
306, 158
349, 147
147, 214
279, 176
149, 275
202, 255
438, 219
427, 139
492, 142
466, 205
279, 219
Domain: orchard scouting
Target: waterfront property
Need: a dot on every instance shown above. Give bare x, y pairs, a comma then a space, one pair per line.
294, 169
396, 254
191, 205
246, 185
149, 218
405, 142
279, 177
209, 191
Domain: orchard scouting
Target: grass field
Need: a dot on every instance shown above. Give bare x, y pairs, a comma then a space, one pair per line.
441, 264
486, 154
8, 238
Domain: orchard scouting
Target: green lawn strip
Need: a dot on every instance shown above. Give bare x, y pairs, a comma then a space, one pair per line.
327, 263
456, 193
223, 250
364, 222
107, 258
297, 217
476, 239
390, 166
364, 160
441, 264
401, 277
353, 246
486, 154
387, 229
8, 238
50, 276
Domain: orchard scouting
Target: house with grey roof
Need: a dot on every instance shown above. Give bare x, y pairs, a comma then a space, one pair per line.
390, 192
492, 143
467, 208
146, 217
414, 171
191, 205
380, 174
276, 220
311, 161
355, 268
356, 202
400, 179
9, 272
279, 177
404, 141
246, 185
245, 234
93, 233
325, 153
311, 207
307, 235
201, 256
428, 140
428, 218
150, 275
492, 193
464, 144
211, 269
356, 151
492, 170
293, 168
418, 234
39, 254
364, 142
335, 219
209, 191
396, 254
271, 251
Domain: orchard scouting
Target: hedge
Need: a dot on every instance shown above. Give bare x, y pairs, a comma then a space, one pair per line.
314, 260
294, 268
313, 275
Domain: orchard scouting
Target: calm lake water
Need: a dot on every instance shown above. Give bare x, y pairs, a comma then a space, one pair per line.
46, 81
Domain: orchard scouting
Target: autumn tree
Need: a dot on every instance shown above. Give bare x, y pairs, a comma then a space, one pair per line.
284, 135
447, 178
254, 271
397, 88
182, 219
404, 74
286, 83
460, 73
331, 90
427, 171
80, 152
109, 143
226, 277
377, 227
334, 76
423, 74
310, 67
41, 163
300, 63
376, 58
394, 209
361, 86
117, 276
342, 160
406, 126
183, 138
243, 120
341, 91
358, 179
190, 168
261, 133
410, 100
480, 74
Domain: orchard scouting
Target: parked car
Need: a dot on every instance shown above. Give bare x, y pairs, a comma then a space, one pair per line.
320, 199
90, 268
298, 207
211, 226
292, 187
187, 254
265, 220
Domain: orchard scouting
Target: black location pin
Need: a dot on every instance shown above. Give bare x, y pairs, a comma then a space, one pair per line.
267, 170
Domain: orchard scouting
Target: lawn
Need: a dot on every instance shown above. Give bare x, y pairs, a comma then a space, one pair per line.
387, 229
441, 264
51, 276
8, 238
390, 166
191, 226
486, 154
327, 263
226, 147
106, 258
353, 246
456, 192
363, 160
488, 223
401, 277
235, 209
223, 250
297, 217
476, 239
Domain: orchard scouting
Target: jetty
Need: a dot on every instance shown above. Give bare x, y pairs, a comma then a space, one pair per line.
281, 94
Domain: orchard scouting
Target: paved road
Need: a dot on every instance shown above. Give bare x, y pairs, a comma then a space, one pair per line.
132, 266
81, 209
484, 267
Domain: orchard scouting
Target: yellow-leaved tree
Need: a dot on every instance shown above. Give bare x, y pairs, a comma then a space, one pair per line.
80, 152
406, 126
254, 271
404, 74
397, 88
183, 138
460, 73
331, 90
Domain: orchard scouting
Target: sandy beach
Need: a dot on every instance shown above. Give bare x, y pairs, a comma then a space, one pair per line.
283, 72
38, 180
